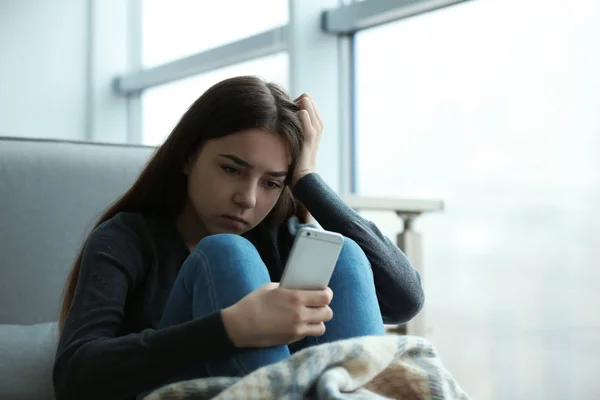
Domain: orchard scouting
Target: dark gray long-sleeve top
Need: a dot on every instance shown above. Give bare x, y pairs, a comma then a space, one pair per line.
110, 347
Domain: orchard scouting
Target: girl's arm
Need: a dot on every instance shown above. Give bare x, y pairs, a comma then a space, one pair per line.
93, 361
398, 285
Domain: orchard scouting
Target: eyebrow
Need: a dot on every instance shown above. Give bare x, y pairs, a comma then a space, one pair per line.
243, 163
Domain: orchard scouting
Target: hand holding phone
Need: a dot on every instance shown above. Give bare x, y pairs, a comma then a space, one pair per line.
273, 316
298, 311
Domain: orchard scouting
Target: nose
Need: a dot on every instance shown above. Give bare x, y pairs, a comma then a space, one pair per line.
245, 195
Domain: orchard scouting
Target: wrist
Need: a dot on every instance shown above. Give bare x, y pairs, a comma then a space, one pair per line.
298, 176
233, 327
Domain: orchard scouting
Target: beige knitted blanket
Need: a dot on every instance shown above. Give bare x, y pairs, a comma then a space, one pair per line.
382, 367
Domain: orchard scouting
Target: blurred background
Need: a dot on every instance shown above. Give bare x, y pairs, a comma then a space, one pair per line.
489, 106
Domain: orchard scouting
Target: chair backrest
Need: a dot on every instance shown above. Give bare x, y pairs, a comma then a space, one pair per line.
51, 193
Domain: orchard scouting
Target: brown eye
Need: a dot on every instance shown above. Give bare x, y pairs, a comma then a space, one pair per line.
230, 170
272, 185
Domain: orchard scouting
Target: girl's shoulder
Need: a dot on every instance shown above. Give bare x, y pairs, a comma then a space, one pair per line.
115, 251
129, 219
123, 228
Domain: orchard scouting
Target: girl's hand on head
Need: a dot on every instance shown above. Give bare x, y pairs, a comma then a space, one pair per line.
312, 128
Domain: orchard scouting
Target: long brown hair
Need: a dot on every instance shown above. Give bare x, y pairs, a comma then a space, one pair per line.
228, 107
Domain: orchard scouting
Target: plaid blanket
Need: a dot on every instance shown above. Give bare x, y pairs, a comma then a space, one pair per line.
382, 367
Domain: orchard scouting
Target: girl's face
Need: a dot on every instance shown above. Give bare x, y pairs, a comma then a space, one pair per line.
236, 180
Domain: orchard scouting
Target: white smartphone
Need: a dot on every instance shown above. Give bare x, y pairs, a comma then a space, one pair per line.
312, 259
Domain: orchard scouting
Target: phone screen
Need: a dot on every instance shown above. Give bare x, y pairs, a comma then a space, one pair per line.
311, 262
317, 251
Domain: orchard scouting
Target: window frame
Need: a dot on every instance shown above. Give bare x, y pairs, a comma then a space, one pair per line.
316, 29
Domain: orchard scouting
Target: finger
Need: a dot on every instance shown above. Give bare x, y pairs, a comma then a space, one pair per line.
304, 120
316, 298
310, 104
307, 104
270, 286
314, 315
297, 99
329, 293
314, 329
316, 111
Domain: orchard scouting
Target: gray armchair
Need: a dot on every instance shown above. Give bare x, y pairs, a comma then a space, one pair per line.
50, 194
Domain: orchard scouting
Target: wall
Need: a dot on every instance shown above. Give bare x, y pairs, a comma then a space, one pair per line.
57, 61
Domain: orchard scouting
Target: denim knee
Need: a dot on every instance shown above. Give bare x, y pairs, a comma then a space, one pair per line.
223, 243
228, 254
352, 256
351, 249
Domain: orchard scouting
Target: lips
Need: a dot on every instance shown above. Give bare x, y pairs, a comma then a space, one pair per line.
236, 221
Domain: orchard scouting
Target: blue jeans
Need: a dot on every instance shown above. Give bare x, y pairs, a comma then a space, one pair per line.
224, 268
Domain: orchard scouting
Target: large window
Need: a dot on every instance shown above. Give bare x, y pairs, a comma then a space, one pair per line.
177, 28
493, 106
163, 106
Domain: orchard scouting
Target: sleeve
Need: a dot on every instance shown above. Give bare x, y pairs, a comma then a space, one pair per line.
398, 284
93, 361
